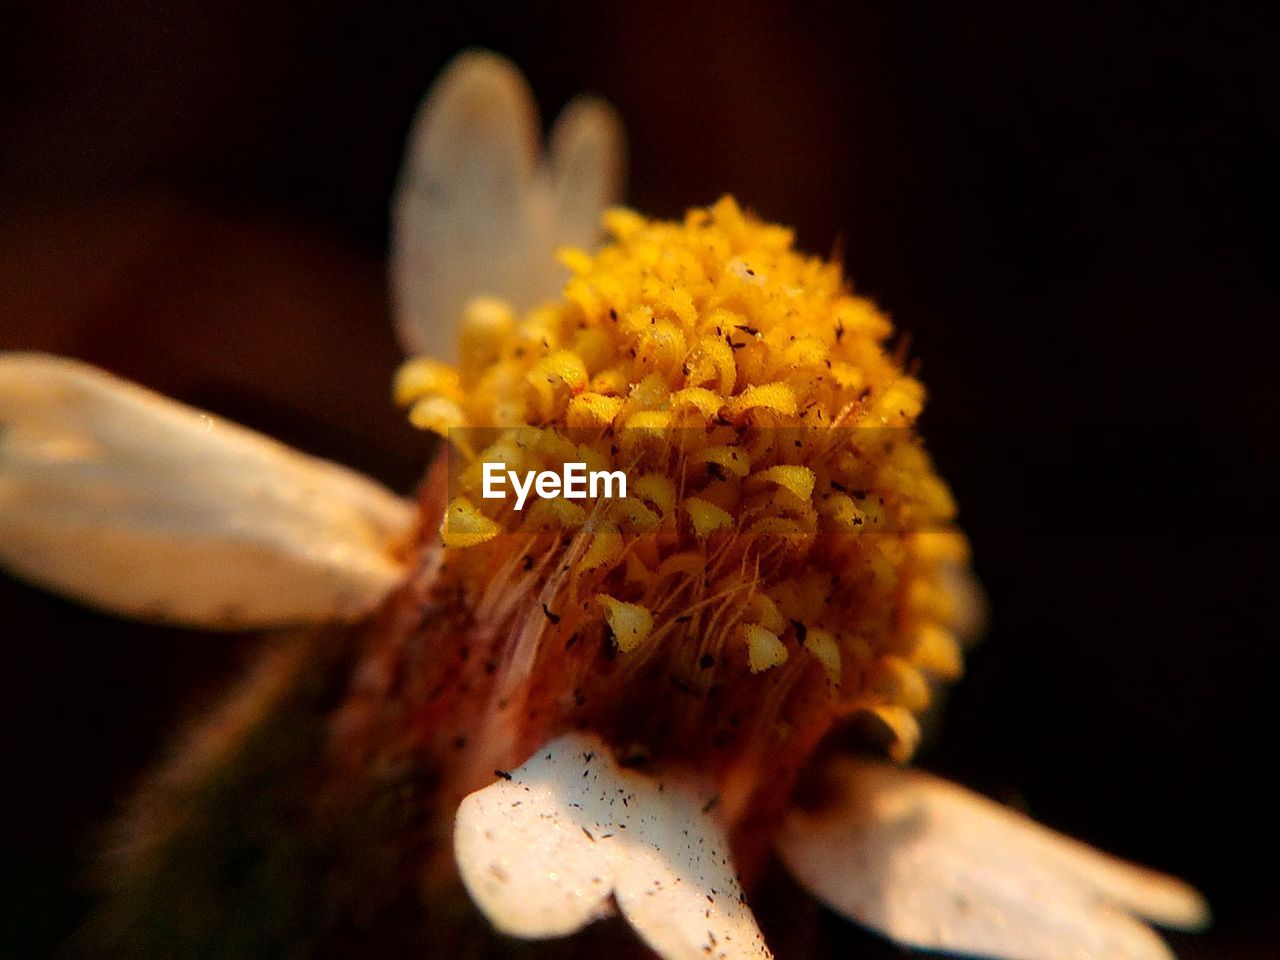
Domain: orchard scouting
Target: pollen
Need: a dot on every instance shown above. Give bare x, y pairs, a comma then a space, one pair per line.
783, 529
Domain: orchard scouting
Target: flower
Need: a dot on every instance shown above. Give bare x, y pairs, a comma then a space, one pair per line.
586, 707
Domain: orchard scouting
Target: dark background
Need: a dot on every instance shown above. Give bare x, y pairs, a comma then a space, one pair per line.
1063, 208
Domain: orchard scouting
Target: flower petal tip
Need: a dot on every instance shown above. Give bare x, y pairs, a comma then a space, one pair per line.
477, 211
587, 159
544, 849
931, 865
141, 506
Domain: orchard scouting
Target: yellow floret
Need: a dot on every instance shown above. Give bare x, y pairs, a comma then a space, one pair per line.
486, 324
630, 622
423, 377
797, 480
466, 526
824, 648
764, 649
775, 397
706, 517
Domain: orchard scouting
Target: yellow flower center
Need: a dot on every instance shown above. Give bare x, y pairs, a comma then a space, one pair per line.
784, 534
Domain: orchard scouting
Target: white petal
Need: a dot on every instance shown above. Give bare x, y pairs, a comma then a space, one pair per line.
542, 852
476, 214
142, 506
932, 865
587, 156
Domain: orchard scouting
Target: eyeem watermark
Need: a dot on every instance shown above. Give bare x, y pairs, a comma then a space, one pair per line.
574, 482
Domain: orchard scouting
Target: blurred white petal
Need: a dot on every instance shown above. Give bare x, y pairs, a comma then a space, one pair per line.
476, 213
142, 506
587, 155
932, 865
542, 852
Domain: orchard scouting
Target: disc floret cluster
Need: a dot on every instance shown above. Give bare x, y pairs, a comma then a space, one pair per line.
782, 516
